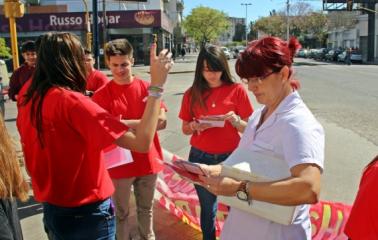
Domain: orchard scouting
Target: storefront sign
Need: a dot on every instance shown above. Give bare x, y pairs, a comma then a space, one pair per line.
76, 21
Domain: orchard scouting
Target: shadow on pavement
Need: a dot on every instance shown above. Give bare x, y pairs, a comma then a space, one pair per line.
308, 64
10, 120
29, 208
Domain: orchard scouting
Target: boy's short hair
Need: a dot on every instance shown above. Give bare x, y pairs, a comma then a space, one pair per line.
118, 47
28, 46
87, 51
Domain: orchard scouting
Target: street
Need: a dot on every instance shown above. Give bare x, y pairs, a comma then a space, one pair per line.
343, 98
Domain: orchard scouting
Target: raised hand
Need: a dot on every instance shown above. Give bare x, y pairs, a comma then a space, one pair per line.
160, 66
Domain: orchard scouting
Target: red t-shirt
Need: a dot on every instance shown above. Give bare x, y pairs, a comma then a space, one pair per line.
362, 223
69, 171
129, 102
95, 80
226, 98
18, 79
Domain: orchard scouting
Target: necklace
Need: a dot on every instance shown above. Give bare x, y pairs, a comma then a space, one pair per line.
213, 101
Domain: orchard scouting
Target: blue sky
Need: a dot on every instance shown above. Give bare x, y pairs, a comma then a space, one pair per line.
259, 8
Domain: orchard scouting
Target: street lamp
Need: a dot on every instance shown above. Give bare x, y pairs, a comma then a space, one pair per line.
287, 20
246, 22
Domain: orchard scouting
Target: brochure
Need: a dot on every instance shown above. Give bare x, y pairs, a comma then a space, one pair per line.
188, 170
213, 120
117, 156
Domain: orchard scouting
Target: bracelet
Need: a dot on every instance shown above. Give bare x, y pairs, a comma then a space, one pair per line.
236, 122
155, 94
155, 89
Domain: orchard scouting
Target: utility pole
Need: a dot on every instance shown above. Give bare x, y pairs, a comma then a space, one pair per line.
287, 20
95, 34
105, 24
88, 43
246, 21
13, 9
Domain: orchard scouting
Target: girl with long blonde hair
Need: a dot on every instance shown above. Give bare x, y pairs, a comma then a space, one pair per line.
12, 186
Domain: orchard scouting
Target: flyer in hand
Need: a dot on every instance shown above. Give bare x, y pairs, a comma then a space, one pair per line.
213, 120
188, 170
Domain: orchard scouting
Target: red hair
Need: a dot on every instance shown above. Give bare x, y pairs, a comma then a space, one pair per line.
265, 55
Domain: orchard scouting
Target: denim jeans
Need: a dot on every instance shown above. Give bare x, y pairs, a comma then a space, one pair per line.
91, 221
208, 201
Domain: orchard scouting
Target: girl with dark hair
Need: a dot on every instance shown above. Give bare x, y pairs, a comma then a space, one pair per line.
362, 222
284, 128
213, 93
12, 186
63, 133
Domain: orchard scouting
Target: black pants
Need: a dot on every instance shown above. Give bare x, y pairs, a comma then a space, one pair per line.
10, 227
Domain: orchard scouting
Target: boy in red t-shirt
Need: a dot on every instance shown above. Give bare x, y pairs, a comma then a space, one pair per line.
125, 97
95, 78
25, 71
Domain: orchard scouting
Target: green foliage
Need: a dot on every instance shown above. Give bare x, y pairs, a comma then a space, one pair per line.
304, 24
274, 25
4, 50
205, 24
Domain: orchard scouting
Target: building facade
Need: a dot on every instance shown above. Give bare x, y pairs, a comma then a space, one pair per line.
355, 37
135, 21
227, 36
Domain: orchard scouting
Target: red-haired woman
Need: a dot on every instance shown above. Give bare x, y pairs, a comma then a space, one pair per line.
362, 223
284, 128
213, 93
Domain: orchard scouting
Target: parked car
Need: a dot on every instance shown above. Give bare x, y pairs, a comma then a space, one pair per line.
226, 52
320, 53
332, 55
303, 53
354, 57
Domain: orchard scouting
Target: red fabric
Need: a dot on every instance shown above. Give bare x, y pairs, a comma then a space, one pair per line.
363, 222
18, 79
227, 98
69, 171
96, 80
129, 102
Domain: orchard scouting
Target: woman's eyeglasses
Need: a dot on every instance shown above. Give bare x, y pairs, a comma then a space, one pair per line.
259, 79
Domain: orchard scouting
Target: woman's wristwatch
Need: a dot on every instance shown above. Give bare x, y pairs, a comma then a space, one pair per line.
243, 192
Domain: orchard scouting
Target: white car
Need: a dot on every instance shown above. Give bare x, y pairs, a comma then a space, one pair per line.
226, 52
354, 57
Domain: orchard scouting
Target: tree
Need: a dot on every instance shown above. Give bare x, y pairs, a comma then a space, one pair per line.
342, 19
205, 24
252, 34
305, 23
274, 25
4, 50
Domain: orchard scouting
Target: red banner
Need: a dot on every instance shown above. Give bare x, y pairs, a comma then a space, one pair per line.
179, 197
